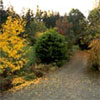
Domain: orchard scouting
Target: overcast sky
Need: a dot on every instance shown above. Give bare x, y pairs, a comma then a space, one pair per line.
56, 5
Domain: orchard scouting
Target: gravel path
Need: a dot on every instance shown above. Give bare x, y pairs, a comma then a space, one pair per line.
71, 82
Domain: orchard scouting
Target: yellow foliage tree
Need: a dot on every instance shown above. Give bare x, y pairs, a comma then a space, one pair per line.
94, 58
11, 45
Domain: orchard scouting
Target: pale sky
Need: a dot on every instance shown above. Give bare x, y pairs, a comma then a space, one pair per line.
63, 6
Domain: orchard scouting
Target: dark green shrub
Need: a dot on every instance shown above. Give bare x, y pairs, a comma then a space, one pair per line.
51, 47
30, 56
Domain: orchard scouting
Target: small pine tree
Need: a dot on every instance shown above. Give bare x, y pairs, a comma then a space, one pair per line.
51, 47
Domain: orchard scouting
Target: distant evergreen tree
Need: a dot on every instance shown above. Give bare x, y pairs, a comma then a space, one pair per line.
94, 20
78, 21
50, 19
1, 4
3, 14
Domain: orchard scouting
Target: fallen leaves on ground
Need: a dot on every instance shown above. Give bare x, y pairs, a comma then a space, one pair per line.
24, 83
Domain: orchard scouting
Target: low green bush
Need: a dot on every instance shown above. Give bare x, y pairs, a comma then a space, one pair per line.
51, 47
30, 56
75, 48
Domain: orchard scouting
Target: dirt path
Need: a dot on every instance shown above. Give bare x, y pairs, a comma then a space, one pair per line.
72, 82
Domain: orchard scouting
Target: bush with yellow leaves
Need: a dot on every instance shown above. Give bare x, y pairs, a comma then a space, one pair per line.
11, 46
94, 54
